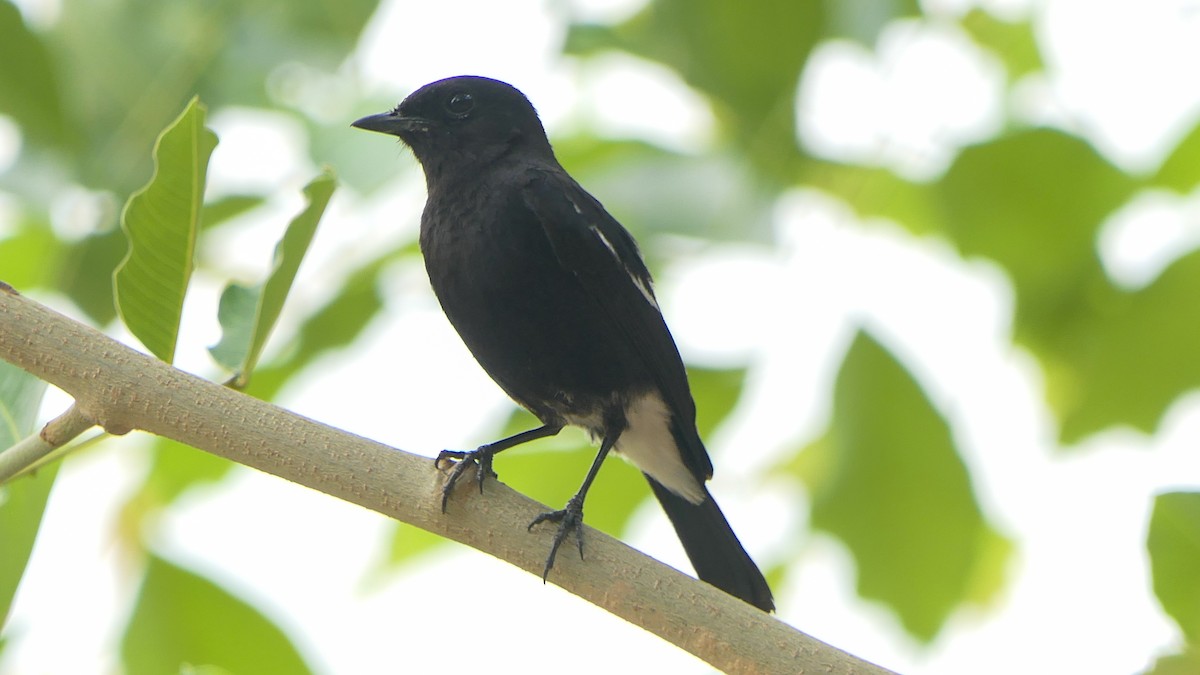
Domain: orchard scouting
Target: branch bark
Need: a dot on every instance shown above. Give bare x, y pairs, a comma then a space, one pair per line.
121, 389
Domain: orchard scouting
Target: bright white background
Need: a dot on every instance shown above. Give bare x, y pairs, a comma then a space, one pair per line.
1078, 600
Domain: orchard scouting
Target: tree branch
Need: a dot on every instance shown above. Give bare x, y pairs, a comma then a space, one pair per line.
121, 389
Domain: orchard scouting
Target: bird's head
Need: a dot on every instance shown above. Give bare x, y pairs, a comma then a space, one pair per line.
462, 121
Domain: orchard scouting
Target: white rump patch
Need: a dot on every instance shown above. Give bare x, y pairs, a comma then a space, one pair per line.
641, 285
647, 443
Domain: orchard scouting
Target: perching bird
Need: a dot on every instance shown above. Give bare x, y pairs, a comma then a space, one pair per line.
552, 297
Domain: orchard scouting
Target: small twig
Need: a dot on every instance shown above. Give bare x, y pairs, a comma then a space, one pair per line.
31, 451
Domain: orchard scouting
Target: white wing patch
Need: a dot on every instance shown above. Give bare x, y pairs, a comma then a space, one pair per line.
649, 444
641, 284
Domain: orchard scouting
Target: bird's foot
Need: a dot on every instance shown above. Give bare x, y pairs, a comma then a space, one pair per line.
569, 519
458, 461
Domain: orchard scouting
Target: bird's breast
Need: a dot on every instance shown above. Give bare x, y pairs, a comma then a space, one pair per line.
528, 320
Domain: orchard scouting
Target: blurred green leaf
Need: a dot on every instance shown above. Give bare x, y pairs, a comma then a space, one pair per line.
652, 190
409, 543
248, 315
23, 500
892, 487
1033, 202
229, 52
336, 324
363, 161
183, 620
189, 669
29, 86
747, 62
863, 20
1174, 545
177, 468
1186, 663
1013, 42
227, 208
161, 221
174, 470
716, 392
86, 273
29, 257
34, 256
236, 312
1127, 362
874, 192
1181, 170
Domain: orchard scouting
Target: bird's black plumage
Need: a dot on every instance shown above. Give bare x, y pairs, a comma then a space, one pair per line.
551, 295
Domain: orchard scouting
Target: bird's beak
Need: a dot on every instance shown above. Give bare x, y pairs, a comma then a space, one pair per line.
391, 123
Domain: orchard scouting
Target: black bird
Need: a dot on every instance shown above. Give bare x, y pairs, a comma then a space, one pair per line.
552, 297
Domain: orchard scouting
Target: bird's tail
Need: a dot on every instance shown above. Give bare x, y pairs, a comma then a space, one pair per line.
713, 548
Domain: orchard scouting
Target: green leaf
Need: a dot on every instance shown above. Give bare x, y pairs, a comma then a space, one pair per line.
217, 212
1014, 42
182, 620
189, 669
1129, 359
889, 483
33, 256
22, 501
1174, 546
29, 87
86, 273
863, 20
362, 161
237, 313
247, 315
160, 222
409, 543
747, 62
874, 192
29, 256
1033, 202
1181, 170
1186, 663
716, 392
177, 468
336, 324
652, 190
265, 54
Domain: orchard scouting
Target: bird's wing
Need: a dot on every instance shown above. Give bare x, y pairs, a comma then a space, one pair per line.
604, 257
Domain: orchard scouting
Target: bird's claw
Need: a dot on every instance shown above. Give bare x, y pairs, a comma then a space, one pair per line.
569, 519
457, 461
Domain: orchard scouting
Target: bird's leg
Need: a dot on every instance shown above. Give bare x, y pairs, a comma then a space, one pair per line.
571, 517
481, 457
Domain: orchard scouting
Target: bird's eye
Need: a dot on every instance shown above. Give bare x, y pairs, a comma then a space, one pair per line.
460, 104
